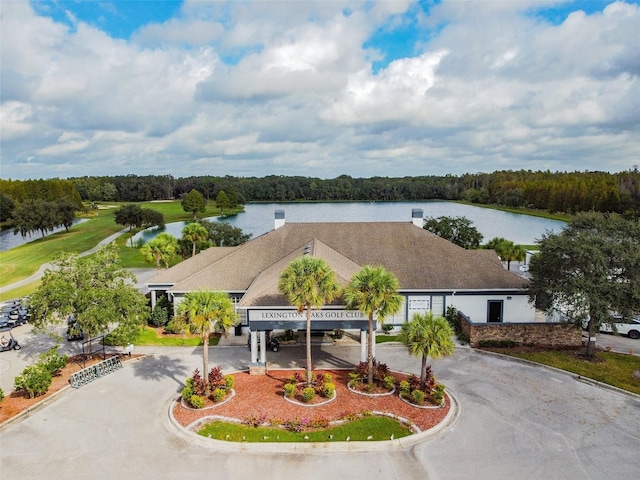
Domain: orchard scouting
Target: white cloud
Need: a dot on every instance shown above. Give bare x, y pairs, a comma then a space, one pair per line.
254, 88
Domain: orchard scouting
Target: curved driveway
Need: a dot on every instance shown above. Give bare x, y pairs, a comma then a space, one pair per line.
517, 421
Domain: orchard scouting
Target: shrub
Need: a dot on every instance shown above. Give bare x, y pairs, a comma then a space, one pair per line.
219, 394
386, 328
159, 316
329, 390
354, 379
255, 421
289, 335
318, 422
497, 343
187, 391
196, 401
438, 393
198, 384
290, 390
216, 379
229, 381
53, 361
418, 396
338, 333
308, 394
172, 327
405, 388
1, 394
293, 425
35, 379
389, 381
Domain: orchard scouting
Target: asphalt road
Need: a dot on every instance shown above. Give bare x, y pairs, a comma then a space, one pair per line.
516, 421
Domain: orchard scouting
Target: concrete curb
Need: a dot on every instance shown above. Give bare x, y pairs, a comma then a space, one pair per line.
329, 447
580, 378
44, 402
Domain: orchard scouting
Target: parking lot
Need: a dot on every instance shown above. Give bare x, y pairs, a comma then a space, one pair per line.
516, 421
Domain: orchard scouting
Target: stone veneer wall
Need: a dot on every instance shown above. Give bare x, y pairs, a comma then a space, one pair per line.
538, 334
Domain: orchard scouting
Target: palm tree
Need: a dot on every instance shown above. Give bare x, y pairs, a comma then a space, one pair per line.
373, 290
308, 282
161, 249
205, 311
195, 233
427, 336
513, 252
507, 250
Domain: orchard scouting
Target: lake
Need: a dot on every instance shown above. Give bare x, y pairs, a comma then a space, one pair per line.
8, 240
258, 218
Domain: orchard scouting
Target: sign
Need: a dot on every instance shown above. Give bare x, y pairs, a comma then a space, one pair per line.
320, 319
316, 315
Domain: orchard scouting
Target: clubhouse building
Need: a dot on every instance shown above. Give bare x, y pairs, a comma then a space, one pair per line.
433, 274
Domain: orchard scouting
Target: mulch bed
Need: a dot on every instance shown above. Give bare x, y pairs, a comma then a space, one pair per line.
17, 402
263, 395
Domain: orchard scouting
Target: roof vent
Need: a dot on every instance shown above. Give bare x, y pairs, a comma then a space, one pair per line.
307, 250
279, 220
417, 215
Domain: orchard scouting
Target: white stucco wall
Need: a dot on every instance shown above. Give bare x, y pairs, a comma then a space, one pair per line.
516, 308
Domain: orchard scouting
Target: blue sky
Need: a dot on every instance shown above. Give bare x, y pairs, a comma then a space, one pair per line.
385, 88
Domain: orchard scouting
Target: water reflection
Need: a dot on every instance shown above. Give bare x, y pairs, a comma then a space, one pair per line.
258, 219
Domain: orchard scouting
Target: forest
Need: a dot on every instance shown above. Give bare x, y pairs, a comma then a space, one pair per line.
562, 192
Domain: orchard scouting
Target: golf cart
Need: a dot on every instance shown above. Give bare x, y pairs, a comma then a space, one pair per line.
7, 343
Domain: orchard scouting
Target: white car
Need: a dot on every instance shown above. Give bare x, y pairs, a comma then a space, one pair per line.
630, 328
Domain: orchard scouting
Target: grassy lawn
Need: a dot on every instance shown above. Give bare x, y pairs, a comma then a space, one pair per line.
521, 211
613, 368
148, 336
21, 262
380, 428
386, 338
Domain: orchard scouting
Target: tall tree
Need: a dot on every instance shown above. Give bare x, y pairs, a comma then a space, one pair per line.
589, 270
160, 250
427, 336
221, 234
129, 216
458, 230
373, 291
194, 202
96, 290
7, 205
206, 311
195, 234
223, 202
507, 250
308, 282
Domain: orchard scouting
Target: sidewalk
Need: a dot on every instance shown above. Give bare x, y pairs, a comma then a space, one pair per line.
45, 266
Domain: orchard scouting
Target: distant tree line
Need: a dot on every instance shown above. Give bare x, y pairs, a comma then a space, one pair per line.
565, 192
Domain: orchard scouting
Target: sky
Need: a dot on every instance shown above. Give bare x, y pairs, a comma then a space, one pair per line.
317, 89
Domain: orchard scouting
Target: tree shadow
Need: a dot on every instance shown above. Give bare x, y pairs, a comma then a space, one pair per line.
159, 367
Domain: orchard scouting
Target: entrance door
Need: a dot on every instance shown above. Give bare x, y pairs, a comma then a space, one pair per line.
494, 311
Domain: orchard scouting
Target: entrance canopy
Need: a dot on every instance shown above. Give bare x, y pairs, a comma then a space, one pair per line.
320, 320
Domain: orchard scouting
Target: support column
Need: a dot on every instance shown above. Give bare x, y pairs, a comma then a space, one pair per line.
153, 299
263, 347
254, 347
373, 348
363, 345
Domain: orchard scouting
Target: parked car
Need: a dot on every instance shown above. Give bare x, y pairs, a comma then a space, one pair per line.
630, 328
74, 330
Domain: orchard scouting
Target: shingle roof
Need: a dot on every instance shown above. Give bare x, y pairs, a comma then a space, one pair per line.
419, 259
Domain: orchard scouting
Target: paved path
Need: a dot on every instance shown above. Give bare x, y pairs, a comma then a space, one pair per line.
44, 266
517, 421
